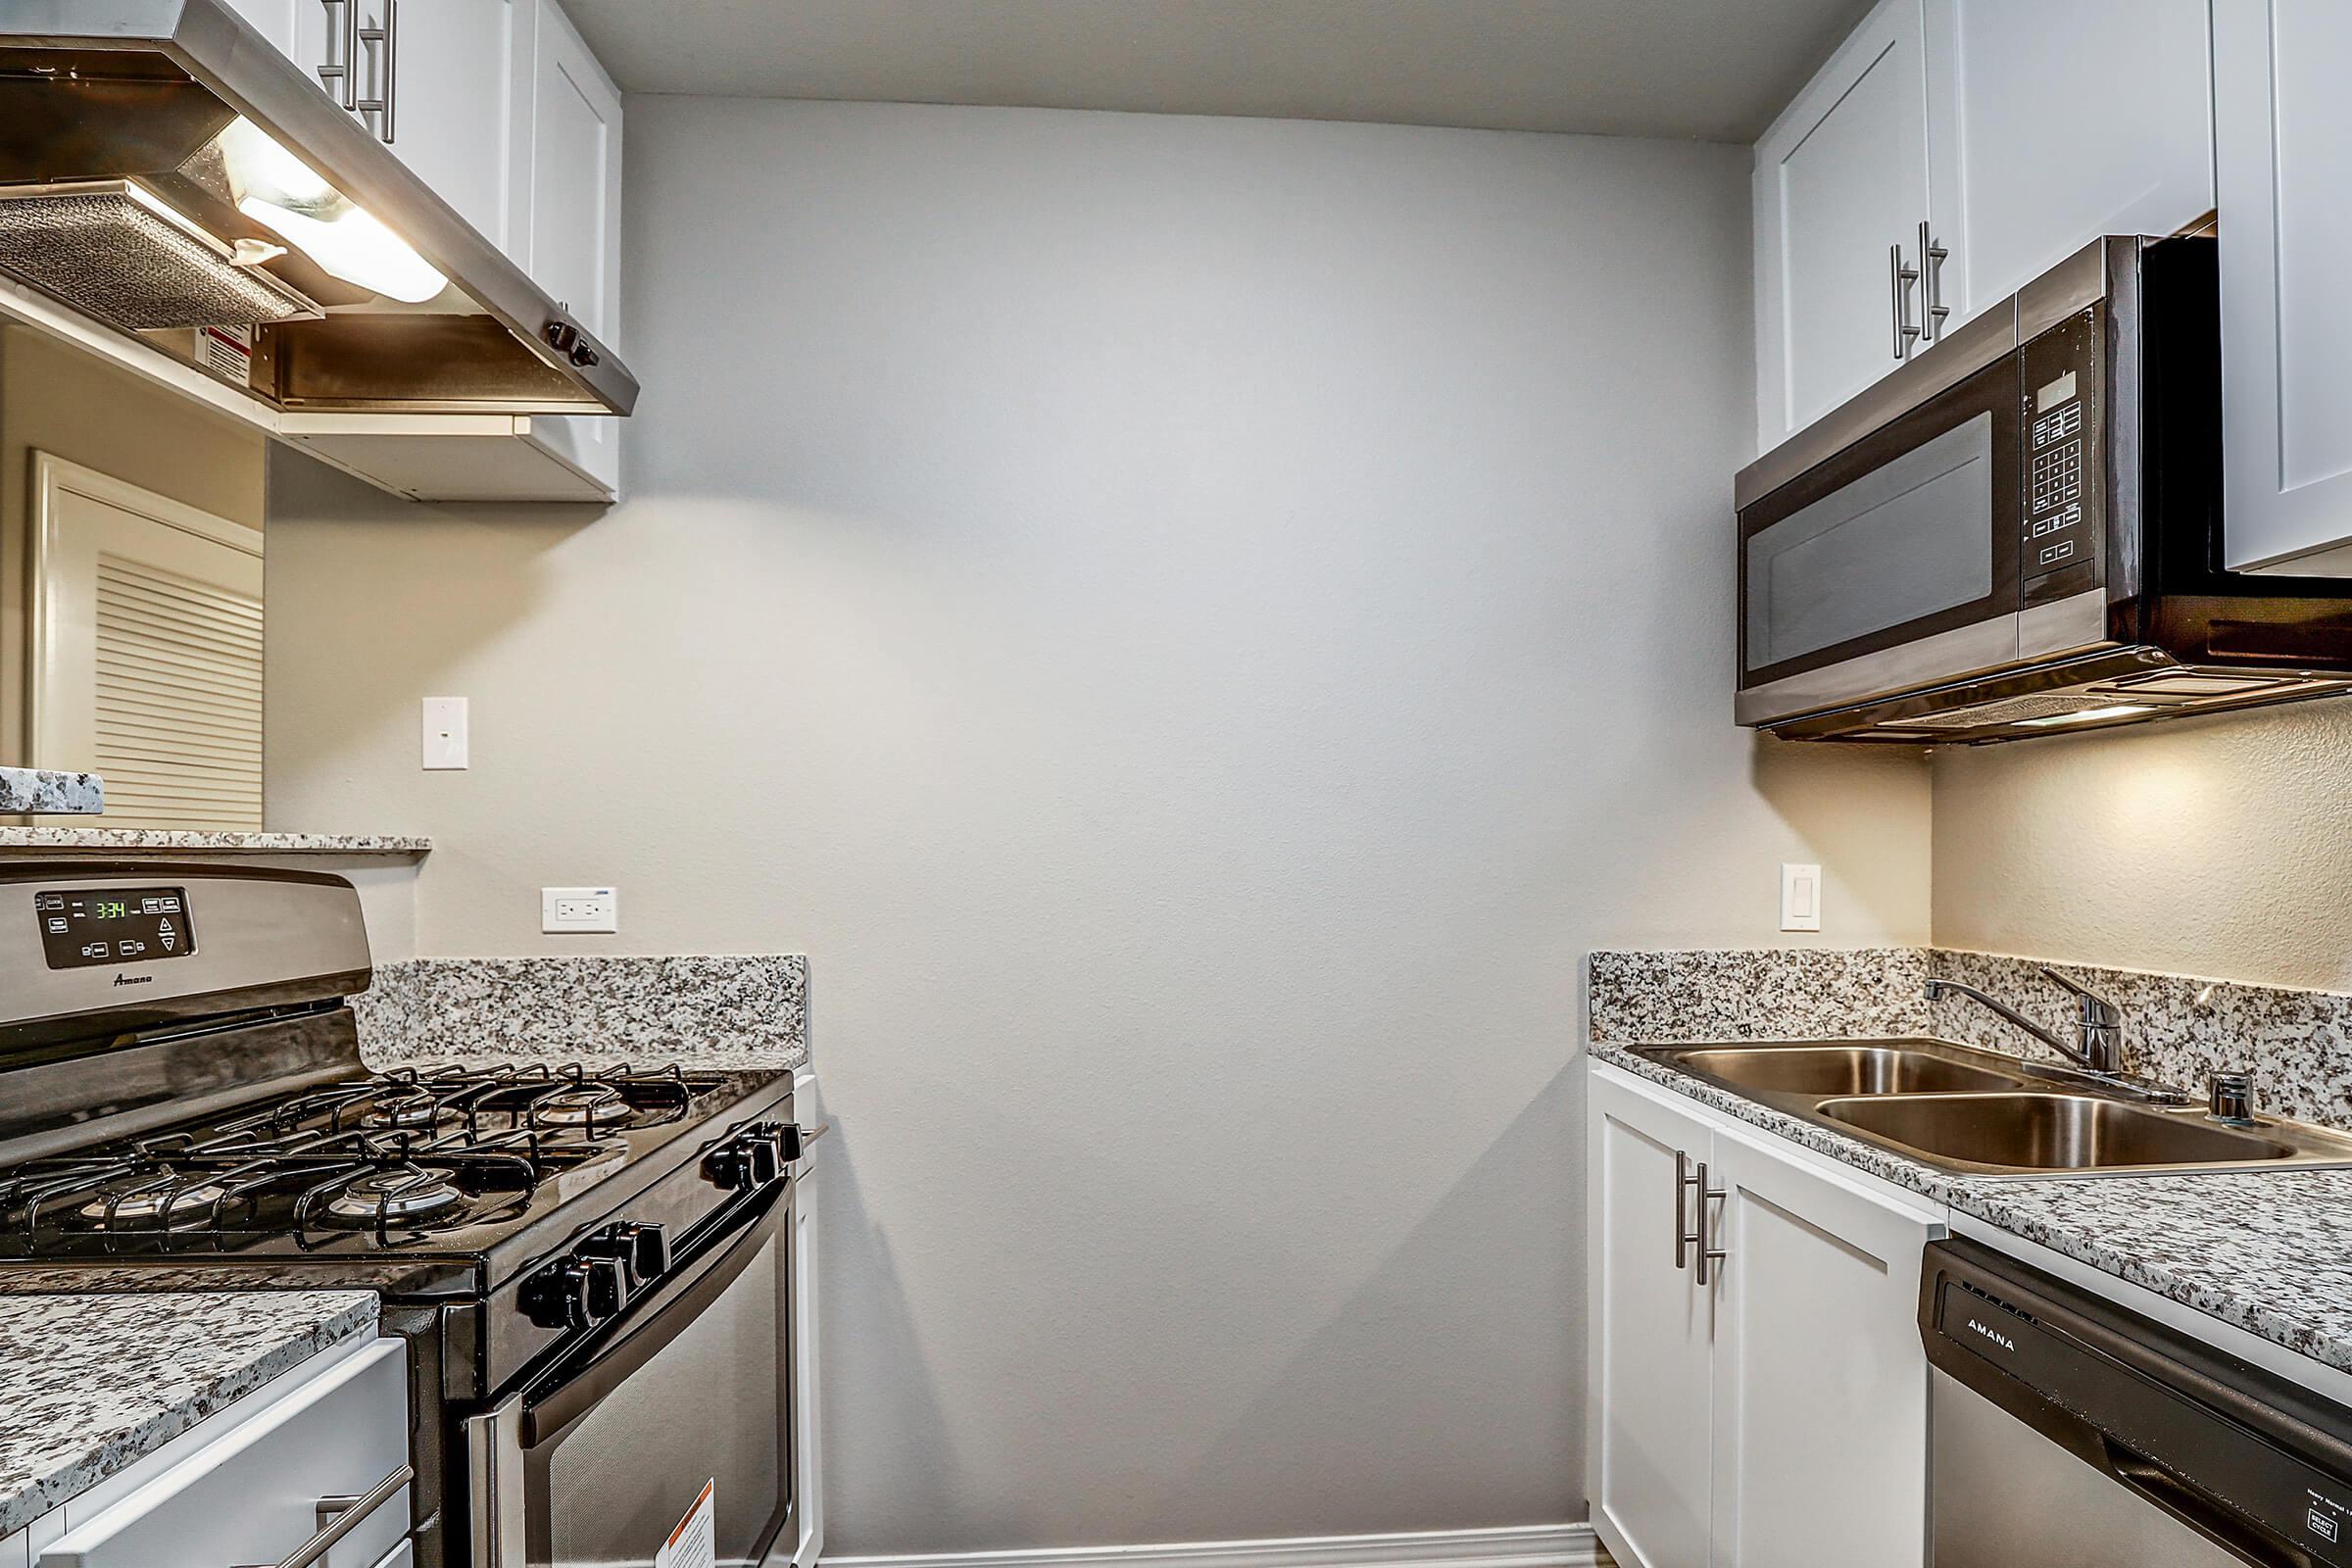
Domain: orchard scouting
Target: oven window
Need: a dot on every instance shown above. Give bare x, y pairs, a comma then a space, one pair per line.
1905, 541
712, 1405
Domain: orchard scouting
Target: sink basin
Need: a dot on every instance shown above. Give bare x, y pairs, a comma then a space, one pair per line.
1838, 1070
2050, 1132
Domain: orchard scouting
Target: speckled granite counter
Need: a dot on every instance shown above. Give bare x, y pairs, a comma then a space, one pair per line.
715, 1011
149, 841
43, 791
2267, 1252
91, 1383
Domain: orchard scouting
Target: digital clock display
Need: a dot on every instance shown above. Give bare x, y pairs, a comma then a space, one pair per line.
82, 927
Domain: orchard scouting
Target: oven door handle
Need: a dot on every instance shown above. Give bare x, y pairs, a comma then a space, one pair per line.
497, 1439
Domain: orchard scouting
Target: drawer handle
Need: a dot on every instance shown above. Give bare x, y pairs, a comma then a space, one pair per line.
347, 1518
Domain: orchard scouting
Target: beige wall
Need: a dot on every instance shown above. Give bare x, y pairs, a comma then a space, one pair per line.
1195, 626
58, 398
2218, 847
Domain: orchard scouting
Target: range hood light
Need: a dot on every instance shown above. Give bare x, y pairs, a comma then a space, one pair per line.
279, 191
2085, 716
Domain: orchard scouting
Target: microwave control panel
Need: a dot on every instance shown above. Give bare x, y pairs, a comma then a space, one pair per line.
2064, 525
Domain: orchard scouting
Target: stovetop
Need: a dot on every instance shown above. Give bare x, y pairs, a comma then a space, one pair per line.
422, 1162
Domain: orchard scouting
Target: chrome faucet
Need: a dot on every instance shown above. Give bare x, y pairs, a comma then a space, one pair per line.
2099, 1022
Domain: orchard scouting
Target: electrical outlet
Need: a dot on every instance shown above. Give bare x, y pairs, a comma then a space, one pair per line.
1800, 898
444, 733
579, 909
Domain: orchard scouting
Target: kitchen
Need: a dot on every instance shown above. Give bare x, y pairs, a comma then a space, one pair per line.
1169, 573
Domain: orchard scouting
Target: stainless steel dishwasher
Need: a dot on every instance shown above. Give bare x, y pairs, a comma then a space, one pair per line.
2070, 1433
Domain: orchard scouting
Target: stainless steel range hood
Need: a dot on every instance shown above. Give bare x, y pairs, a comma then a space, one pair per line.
167, 173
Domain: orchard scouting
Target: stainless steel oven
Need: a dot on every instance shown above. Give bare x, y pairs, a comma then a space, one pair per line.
600, 1455
2019, 531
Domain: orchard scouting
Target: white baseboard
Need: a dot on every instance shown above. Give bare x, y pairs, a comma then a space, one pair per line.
1508, 1546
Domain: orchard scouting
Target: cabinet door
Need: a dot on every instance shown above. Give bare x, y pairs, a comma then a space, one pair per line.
277, 21
1648, 1405
1841, 176
2282, 123
2052, 124
1820, 1383
570, 211
445, 68
452, 116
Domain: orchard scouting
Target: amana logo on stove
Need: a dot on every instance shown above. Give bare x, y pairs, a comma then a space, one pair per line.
1995, 1335
134, 979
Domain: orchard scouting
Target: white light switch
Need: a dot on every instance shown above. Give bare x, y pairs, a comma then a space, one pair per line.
444, 732
579, 909
1800, 897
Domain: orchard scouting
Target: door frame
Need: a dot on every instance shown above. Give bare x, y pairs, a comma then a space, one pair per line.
53, 478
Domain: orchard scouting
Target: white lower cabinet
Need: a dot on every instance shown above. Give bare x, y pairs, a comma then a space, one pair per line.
1777, 1413
257, 1481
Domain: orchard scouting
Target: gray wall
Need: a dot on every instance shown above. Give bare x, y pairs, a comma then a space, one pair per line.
1197, 627
2216, 847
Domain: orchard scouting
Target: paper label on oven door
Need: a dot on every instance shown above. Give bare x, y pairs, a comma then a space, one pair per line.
693, 1544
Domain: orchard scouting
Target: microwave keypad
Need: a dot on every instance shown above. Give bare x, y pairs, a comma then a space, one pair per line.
2057, 426
2058, 473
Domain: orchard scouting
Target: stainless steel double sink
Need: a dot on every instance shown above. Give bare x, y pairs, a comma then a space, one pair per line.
1979, 1113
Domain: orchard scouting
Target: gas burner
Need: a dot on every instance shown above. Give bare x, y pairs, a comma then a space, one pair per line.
176, 1206
402, 1193
583, 1104
404, 1107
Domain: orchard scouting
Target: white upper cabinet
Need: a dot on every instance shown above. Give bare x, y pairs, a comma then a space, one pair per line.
277, 21
1949, 153
2282, 113
429, 79
1840, 186
2052, 124
567, 212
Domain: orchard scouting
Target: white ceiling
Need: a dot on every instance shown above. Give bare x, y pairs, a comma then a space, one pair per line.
1711, 69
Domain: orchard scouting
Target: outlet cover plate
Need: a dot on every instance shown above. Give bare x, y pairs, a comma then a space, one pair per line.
579, 909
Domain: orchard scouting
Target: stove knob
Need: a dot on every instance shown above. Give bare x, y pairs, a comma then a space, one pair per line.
745, 1161
556, 1296
642, 1250
608, 1287
785, 1136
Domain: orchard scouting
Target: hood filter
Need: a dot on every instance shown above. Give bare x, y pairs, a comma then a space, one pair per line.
111, 248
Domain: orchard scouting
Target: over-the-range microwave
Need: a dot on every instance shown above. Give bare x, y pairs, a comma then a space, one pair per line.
2019, 531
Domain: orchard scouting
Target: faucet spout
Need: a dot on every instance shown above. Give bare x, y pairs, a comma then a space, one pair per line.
1935, 989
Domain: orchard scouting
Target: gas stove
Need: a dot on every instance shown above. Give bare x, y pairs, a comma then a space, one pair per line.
184, 1105
407, 1159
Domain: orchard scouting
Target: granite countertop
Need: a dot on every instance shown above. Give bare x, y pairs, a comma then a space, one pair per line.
2268, 1252
91, 1383
46, 791
111, 840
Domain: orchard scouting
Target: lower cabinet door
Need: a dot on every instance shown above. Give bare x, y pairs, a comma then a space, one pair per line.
1819, 1418
1648, 1400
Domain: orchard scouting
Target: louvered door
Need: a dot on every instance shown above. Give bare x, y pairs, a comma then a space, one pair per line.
147, 651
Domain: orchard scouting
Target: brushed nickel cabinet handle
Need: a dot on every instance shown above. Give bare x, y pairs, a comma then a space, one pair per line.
1707, 1252
1684, 1236
336, 73
1898, 280
382, 43
340, 1516
1932, 257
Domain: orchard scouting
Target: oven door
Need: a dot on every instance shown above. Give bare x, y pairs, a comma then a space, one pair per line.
602, 1456
1893, 563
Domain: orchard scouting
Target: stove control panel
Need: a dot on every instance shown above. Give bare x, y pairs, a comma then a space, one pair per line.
82, 927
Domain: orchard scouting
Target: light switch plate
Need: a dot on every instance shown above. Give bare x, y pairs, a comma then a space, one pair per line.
1800, 897
579, 909
445, 741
